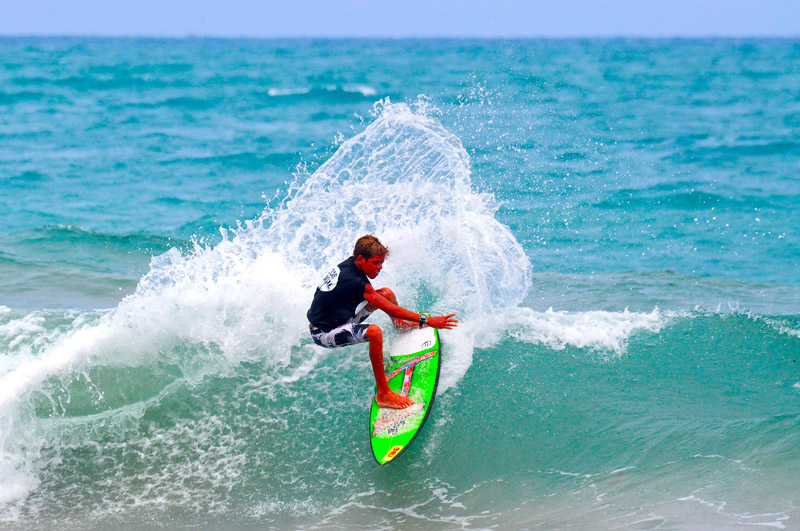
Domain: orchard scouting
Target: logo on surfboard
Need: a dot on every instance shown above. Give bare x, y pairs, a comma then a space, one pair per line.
392, 453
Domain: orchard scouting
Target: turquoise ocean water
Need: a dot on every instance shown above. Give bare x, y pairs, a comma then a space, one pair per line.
615, 222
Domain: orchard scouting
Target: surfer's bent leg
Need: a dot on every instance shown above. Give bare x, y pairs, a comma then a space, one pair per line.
385, 397
387, 294
399, 324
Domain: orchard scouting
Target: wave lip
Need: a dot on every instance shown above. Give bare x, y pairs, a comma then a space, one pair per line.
596, 330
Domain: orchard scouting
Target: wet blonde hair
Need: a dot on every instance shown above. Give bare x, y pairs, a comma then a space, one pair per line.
369, 246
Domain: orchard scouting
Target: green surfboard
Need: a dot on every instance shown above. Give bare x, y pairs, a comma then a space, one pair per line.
414, 372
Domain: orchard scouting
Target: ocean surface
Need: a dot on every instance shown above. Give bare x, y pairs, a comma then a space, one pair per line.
615, 223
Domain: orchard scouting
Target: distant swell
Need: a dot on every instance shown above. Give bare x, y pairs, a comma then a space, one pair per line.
679, 196
332, 93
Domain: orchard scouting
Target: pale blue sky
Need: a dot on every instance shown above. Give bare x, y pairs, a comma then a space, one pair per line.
410, 18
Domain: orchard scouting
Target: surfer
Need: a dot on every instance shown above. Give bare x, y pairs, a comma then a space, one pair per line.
345, 298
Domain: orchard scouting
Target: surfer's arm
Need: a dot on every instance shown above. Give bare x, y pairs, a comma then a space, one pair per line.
398, 312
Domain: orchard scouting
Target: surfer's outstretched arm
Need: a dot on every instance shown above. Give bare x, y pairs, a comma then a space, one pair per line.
379, 301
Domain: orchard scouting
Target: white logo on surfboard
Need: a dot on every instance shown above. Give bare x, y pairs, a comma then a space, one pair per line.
330, 279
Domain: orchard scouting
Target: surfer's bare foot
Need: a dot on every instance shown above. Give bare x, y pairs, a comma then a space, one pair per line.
393, 400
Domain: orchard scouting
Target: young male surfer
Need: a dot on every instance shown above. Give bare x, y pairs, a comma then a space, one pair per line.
345, 298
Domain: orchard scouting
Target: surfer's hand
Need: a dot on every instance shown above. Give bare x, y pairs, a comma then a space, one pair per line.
443, 321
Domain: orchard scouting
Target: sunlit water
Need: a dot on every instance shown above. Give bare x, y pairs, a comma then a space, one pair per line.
615, 223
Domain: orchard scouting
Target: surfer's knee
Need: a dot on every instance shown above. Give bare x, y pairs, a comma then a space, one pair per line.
374, 333
387, 294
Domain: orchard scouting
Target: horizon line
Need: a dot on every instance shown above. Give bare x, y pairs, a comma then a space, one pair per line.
190, 36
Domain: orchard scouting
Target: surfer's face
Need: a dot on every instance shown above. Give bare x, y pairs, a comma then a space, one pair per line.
371, 266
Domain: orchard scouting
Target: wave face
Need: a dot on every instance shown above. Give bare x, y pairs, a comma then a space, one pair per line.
127, 418
627, 354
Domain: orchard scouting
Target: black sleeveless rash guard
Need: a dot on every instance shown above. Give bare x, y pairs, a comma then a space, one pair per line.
339, 297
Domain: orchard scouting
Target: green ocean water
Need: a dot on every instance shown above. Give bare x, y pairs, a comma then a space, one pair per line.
615, 222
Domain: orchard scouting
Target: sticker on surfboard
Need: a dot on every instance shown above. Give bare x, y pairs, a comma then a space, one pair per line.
414, 372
